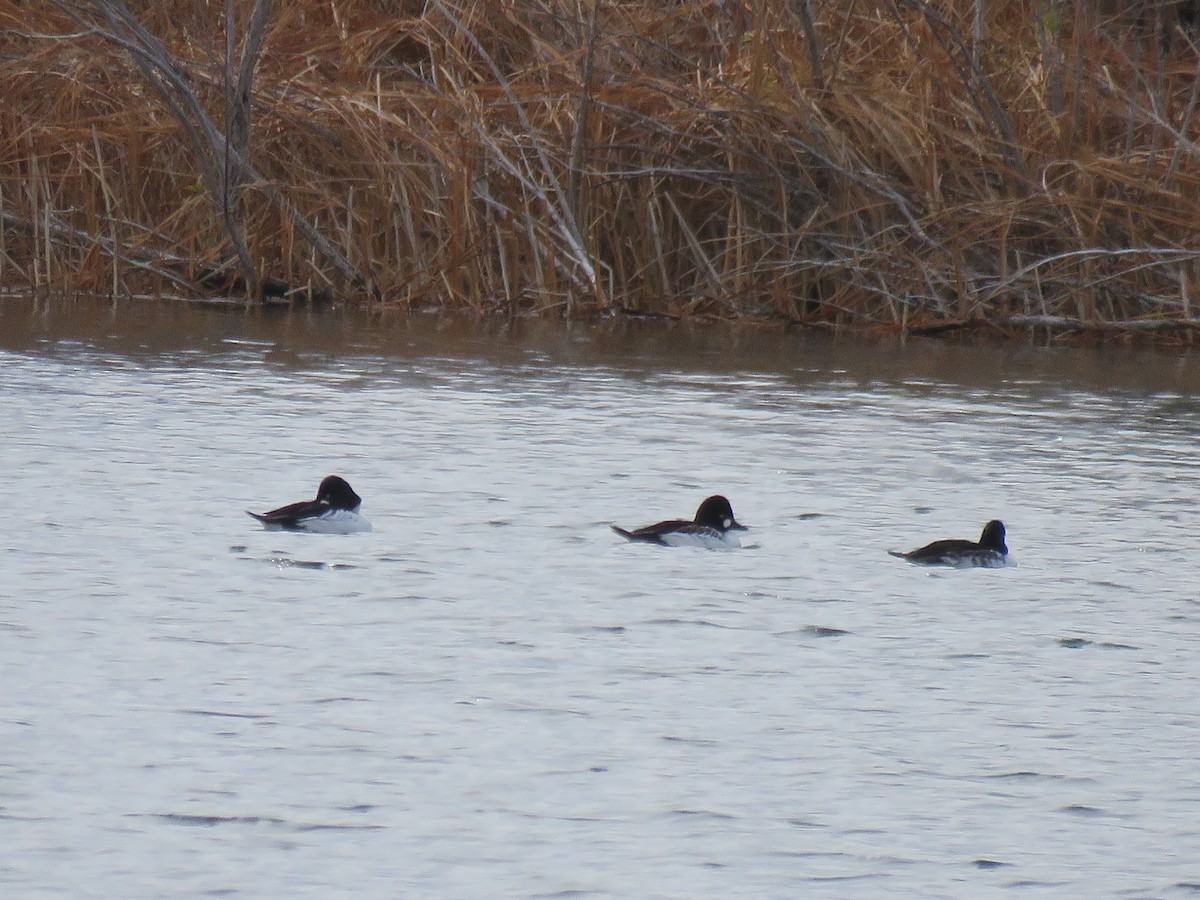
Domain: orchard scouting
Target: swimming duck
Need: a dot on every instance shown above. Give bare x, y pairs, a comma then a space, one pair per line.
334, 511
713, 528
989, 552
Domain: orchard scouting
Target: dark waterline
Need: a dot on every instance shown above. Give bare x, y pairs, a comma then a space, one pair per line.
157, 333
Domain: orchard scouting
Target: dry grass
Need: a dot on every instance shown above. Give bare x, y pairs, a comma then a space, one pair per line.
884, 164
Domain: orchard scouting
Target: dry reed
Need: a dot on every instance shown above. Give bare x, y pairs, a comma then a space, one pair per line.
902, 163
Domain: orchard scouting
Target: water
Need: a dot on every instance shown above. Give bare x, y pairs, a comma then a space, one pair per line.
493, 695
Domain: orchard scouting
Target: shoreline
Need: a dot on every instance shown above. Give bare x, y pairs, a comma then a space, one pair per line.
1165, 336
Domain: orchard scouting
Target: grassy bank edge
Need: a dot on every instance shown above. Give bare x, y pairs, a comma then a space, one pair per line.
907, 167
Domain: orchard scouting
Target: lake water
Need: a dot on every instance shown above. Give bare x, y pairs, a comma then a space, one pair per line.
493, 695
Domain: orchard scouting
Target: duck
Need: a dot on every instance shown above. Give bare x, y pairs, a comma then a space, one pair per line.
989, 552
713, 528
335, 510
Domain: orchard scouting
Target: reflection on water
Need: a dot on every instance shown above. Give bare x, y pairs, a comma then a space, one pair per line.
492, 694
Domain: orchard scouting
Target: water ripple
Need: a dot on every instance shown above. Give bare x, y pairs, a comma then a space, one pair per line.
521, 703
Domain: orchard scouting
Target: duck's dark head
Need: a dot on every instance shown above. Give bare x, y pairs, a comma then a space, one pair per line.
715, 512
336, 491
993, 537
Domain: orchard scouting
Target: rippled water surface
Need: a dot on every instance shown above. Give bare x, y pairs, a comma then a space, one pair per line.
493, 695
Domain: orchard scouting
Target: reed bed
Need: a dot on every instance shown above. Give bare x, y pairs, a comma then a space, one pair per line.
867, 164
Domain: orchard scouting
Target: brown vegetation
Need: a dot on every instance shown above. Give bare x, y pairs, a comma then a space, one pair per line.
898, 163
